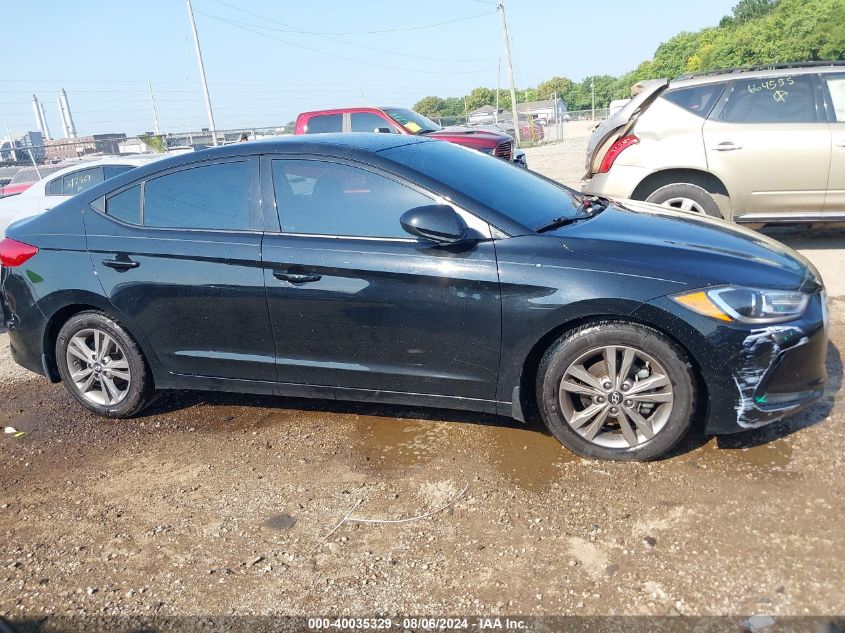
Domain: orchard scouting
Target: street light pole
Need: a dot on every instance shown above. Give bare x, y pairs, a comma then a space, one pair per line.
202, 74
153, 102
501, 8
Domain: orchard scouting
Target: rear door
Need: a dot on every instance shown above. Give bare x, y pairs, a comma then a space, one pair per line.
180, 255
357, 303
834, 86
768, 141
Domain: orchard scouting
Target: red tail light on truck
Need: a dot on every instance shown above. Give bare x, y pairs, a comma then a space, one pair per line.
617, 148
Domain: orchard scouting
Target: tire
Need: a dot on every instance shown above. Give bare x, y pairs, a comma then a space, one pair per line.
686, 197
563, 410
120, 365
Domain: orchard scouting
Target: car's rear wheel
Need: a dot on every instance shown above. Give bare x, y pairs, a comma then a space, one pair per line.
616, 390
686, 197
102, 366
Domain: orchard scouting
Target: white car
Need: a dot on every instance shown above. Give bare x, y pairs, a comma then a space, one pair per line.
60, 185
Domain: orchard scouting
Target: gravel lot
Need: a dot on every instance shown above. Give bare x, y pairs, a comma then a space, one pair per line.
220, 504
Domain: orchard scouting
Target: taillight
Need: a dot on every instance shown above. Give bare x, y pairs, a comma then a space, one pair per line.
617, 148
14, 253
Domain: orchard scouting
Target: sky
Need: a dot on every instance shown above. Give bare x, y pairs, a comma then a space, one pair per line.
267, 60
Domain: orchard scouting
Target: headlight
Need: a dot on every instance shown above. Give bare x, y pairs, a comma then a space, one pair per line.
486, 150
746, 305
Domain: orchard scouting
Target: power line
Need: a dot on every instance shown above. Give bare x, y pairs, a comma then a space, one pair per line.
343, 57
340, 41
393, 30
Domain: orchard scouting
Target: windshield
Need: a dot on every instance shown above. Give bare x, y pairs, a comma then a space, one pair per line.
522, 195
412, 121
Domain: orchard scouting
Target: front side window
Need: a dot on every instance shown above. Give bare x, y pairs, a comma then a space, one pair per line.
324, 123
836, 86
698, 100
322, 198
784, 99
205, 197
368, 122
78, 181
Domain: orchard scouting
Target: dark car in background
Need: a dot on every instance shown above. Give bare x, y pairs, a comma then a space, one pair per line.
395, 269
391, 120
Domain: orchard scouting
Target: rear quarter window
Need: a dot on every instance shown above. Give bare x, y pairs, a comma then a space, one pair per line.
698, 100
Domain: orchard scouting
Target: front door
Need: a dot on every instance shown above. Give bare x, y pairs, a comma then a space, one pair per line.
180, 255
357, 303
770, 145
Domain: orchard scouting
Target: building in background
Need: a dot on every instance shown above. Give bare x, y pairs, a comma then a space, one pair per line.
83, 146
545, 112
26, 149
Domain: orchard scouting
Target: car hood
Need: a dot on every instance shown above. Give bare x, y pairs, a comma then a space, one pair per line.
458, 130
687, 247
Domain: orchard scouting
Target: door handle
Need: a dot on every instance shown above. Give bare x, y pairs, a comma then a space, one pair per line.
121, 264
296, 278
727, 146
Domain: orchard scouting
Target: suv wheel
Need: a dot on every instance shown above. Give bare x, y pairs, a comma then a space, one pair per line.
102, 366
615, 390
686, 197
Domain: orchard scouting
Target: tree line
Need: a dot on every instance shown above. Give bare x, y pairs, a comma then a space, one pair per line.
756, 32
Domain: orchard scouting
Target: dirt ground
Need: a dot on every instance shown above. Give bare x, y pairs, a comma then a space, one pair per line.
219, 504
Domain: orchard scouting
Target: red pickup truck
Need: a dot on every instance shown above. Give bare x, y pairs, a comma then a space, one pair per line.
405, 121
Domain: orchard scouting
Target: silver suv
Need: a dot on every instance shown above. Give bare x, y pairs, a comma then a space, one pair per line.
752, 145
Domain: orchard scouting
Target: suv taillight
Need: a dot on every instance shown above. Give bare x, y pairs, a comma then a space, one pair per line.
613, 153
14, 253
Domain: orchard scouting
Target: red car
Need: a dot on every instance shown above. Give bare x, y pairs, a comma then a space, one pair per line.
405, 121
27, 177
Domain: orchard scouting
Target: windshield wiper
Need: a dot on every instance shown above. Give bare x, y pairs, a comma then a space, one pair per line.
589, 207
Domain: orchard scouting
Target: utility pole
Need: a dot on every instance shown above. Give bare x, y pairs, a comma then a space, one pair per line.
501, 8
593, 97
498, 87
211, 125
153, 101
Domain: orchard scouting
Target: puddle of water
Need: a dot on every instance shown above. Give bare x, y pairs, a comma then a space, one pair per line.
772, 456
527, 457
391, 442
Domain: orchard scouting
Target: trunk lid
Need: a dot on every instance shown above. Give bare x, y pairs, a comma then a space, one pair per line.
621, 122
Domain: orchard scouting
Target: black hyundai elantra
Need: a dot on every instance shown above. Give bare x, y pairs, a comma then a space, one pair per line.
411, 271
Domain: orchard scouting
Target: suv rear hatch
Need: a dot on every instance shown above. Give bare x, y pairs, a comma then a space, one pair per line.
621, 122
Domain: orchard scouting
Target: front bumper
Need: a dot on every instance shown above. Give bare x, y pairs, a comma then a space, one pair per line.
755, 375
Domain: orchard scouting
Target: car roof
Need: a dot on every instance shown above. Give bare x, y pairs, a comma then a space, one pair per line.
763, 72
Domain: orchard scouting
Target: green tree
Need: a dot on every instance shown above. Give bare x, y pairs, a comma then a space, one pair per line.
480, 97
431, 107
746, 10
555, 85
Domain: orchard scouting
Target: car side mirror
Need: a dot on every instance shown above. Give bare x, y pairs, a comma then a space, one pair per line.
438, 223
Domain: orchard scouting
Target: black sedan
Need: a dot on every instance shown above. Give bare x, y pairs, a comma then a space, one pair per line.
412, 271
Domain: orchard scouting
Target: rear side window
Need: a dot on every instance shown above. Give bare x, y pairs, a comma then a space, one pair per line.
321, 198
368, 122
126, 205
324, 123
110, 171
698, 100
785, 99
836, 86
205, 197
78, 181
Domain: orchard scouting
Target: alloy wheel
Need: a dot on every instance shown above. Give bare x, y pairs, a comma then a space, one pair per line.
683, 204
98, 367
616, 396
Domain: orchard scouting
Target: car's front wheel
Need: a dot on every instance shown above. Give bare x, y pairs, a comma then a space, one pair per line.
102, 366
616, 390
